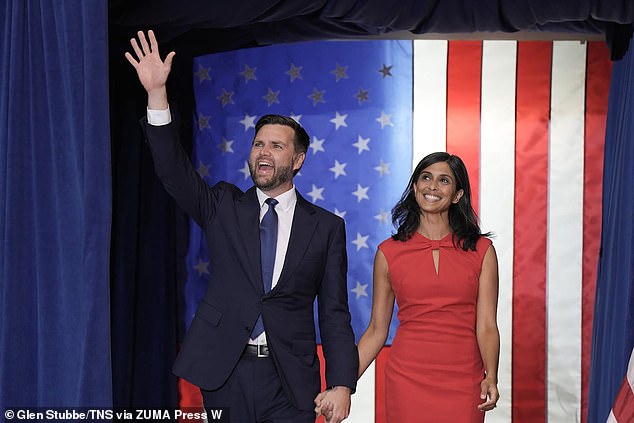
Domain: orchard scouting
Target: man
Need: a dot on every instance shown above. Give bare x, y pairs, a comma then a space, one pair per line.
251, 346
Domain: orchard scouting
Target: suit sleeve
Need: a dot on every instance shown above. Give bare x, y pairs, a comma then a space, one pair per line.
176, 172
340, 351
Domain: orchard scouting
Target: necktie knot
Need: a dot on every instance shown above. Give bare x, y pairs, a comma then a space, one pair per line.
272, 202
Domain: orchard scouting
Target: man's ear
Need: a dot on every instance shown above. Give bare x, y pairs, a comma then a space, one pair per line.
298, 161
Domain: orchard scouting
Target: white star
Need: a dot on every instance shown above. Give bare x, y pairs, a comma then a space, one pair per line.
360, 290
317, 144
315, 193
339, 120
245, 170
339, 169
362, 144
341, 214
317, 96
382, 217
340, 72
202, 267
203, 74
203, 121
225, 146
248, 73
385, 120
361, 241
203, 170
294, 72
361, 193
295, 117
271, 97
248, 122
362, 95
383, 168
226, 97
386, 70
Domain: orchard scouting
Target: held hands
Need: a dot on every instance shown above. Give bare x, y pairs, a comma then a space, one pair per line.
151, 70
333, 404
489, 393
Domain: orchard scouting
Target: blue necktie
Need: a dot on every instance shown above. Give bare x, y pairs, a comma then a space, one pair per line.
268, 244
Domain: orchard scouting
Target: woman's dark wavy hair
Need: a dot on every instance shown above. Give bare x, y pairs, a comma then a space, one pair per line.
462, 217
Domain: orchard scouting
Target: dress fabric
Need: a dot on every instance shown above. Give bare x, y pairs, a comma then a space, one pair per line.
434, 368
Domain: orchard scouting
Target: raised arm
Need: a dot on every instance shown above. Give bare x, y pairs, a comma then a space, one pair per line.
150, 69
171, 162
487, 330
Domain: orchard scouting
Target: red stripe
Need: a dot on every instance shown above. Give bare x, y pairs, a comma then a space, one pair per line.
189, 399
623, 408
464, 72
379, 385
322, 370
529, 264
597, 88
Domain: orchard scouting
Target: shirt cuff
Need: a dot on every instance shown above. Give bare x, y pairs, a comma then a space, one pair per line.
159, 117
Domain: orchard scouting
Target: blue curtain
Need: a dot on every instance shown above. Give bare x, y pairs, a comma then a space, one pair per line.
55, 188
613, 328
148, 241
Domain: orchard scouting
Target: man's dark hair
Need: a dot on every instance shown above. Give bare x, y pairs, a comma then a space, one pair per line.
301, 139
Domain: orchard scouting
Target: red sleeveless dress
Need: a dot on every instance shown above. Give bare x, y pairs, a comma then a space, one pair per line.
434, 369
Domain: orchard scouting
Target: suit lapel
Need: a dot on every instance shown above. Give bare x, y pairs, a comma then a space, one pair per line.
248, 211
302, 229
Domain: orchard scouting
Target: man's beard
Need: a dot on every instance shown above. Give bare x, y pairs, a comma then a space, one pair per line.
282, 175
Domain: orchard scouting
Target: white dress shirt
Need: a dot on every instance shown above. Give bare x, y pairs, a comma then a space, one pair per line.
159, 117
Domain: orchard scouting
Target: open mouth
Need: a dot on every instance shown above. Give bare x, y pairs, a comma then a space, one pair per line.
431, 197
265, 167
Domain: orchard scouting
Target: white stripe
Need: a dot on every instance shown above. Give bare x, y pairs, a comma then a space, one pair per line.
611, 418
565, 232
430, 98
362, 408
497, 185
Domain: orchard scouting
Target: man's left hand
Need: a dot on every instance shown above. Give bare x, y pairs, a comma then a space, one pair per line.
335, 404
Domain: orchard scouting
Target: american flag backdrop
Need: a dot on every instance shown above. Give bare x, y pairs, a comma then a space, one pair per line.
623, 409
528, 119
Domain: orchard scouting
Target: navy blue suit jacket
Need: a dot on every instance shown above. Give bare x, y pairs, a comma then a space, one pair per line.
315, 267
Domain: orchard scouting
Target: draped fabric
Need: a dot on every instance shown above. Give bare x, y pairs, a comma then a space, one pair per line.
613, 334
527, 118
225, 26
71, 223
148, 244
55, 212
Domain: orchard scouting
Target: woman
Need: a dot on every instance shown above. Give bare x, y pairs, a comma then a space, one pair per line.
443, 274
